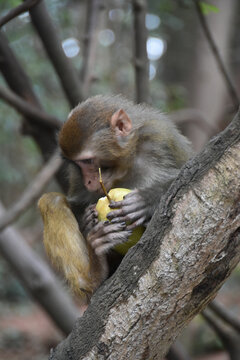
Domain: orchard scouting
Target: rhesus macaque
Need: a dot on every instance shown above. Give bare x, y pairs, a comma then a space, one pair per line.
137, 148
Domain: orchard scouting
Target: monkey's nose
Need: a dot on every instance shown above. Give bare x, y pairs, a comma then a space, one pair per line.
91, 183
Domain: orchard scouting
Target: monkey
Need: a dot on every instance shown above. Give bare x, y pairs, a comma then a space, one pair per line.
136, 147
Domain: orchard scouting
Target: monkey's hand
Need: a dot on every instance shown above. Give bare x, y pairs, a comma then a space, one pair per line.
89, 219
106, 235
129, 213
102, 236
133, 210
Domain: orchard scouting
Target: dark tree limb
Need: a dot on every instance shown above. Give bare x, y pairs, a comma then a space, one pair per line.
14, 74
33, 191
225, 315
141, 60
229, 338
19, 82
189, 249
38, 278
17, 11
90, 42
177, 352
28, 110
52, 44
231, 89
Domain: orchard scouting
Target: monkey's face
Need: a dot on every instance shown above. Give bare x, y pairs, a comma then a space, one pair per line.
89, 165
98, 136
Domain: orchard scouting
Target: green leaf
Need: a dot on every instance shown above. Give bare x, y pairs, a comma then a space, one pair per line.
208, 8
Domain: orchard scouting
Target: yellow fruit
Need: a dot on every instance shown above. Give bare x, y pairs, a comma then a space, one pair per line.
103, 209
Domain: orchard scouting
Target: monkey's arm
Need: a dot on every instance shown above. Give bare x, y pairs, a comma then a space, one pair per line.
138, 206
135, 209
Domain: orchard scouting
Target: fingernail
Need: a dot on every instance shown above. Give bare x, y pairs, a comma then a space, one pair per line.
114, 221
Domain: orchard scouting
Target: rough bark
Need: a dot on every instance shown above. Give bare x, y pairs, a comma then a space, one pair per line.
188, 250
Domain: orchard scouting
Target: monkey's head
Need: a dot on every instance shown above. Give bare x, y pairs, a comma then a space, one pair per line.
98, 133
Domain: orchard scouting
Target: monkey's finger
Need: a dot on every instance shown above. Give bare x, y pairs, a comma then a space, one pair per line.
128, 205
102, 245
131, 218
128, 213
129, 199
135, 219
90, 212
110, 228
141, 221
90, 208
101, 231
133, 195
89, 218
89, 226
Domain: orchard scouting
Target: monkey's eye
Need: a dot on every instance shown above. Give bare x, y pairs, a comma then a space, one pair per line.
86, 161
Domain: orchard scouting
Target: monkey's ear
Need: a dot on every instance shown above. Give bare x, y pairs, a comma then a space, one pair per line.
121, 123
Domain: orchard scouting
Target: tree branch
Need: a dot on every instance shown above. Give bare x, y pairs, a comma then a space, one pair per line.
90, 42
177, 352
231, 89
38, 278
33, 191
17, 11
19, 82
29, 110
14, 74
52, 44
188, 250
141, 60
230, 339
225, 315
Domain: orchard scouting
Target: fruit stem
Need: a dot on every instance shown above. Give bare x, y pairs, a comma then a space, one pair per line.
102, 185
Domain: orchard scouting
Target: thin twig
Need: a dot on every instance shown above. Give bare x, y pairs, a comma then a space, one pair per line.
141, 60
225, 315
231, 89
90, 42
33, 191
229, 338
25, 6
19, 82
27, 109
103, 186
52, 44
